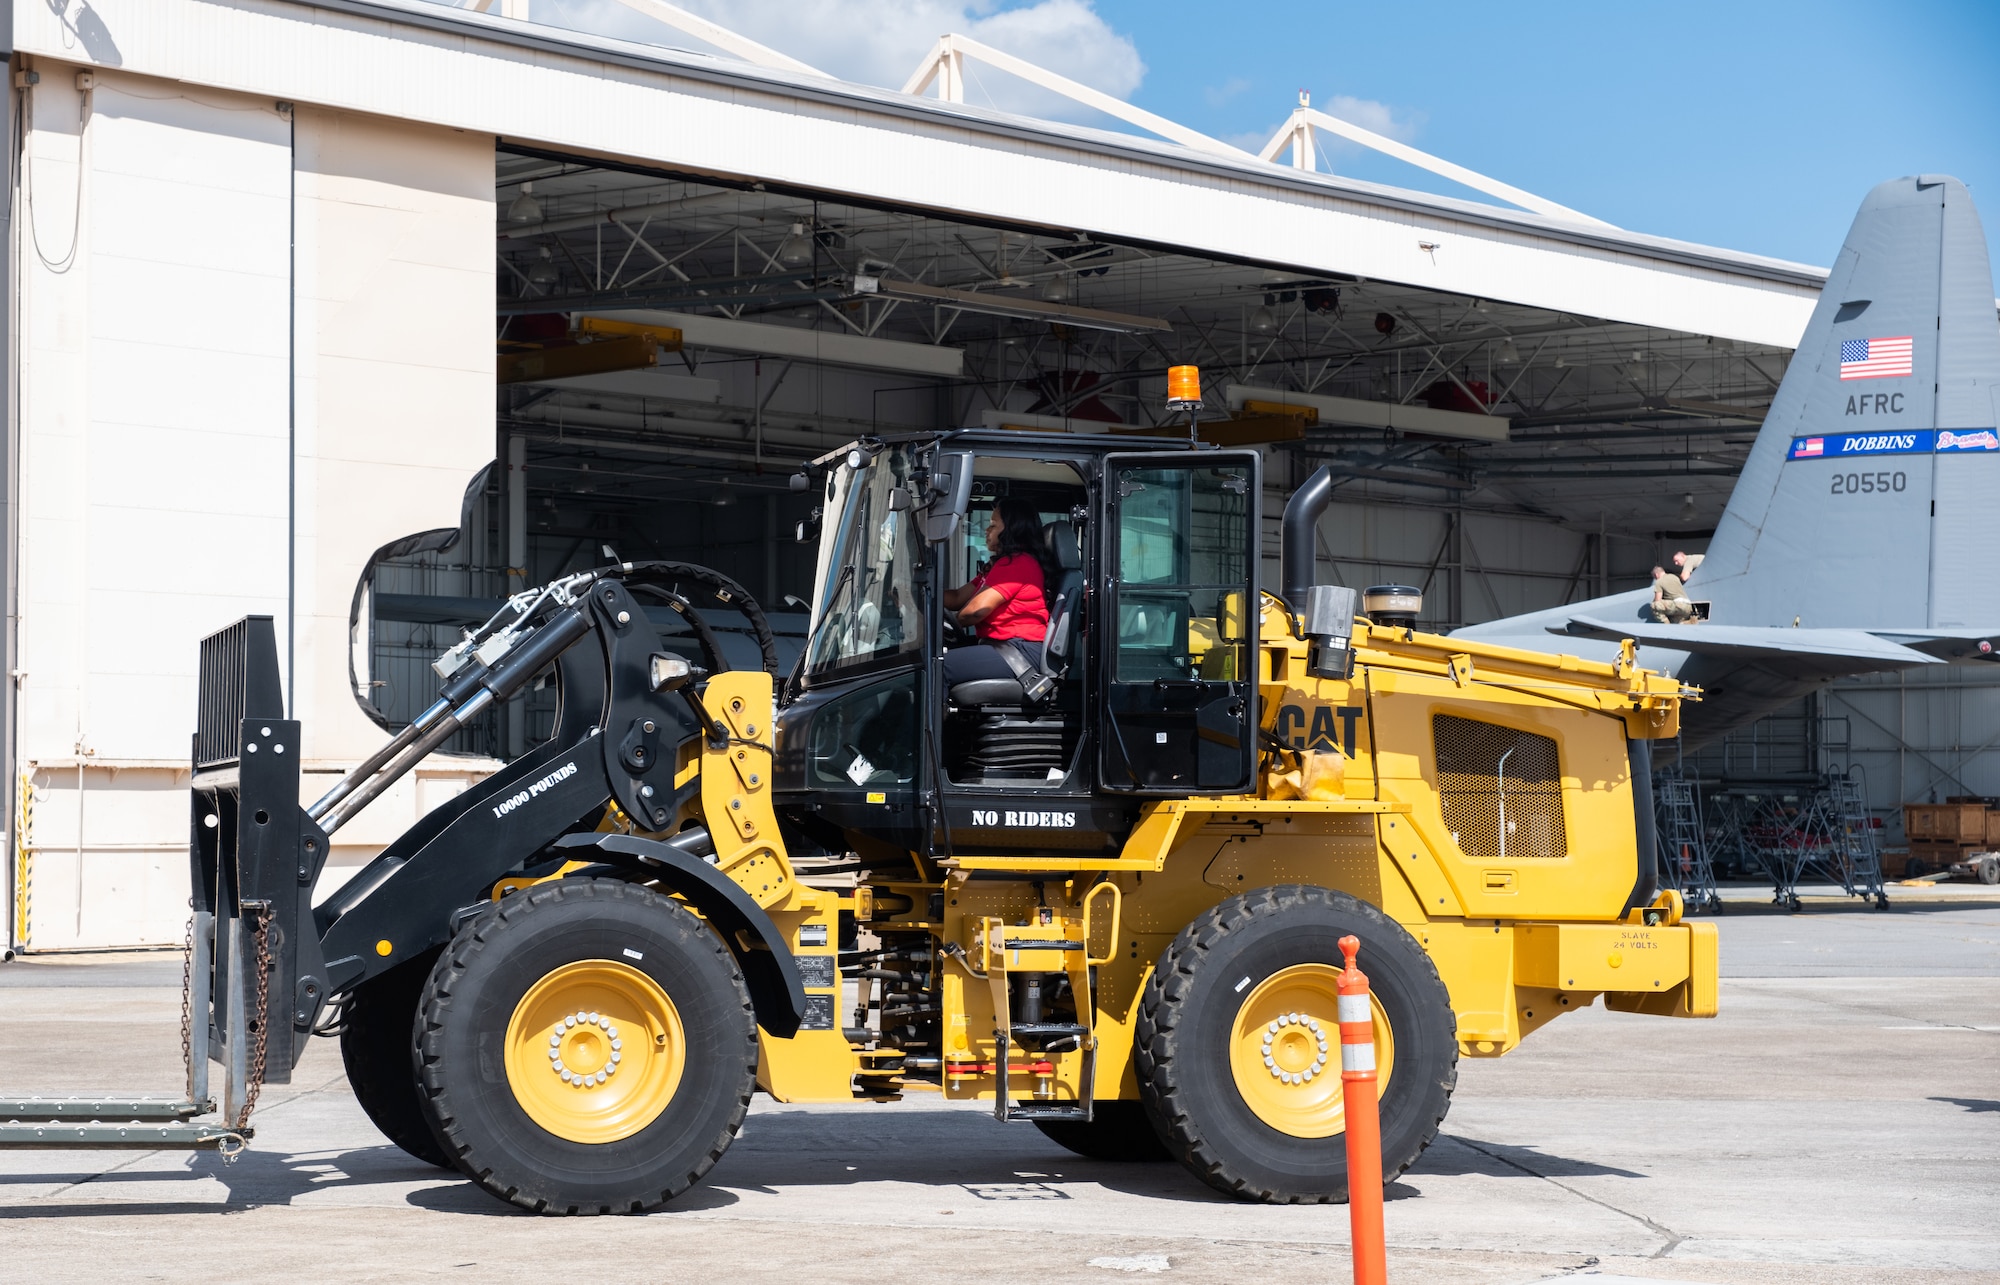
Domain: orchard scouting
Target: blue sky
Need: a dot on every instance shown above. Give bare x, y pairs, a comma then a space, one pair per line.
1755, 125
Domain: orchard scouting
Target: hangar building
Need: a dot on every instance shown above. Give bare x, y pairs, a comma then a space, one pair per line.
291, 284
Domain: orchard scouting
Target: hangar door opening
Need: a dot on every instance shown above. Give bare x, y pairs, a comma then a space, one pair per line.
671, 348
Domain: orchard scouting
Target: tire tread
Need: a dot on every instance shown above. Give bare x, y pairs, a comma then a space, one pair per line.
476, 938
1161, 1087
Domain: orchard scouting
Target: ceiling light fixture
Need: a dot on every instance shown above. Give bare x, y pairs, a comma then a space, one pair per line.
1508, 354
797, 250
525, 208
543, 272
1687, 507
1057, 289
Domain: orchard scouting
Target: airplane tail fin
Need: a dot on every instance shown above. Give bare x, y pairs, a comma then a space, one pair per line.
1867, 497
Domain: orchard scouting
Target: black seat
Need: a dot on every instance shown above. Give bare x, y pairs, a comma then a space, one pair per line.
988, 691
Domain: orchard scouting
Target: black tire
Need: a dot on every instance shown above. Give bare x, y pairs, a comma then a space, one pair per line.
1191, 1005
1989, 870
1118, 1131
378, 1046
472, 995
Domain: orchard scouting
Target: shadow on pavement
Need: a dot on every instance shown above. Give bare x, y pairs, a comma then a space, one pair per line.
1977, 1105
1910, 905
1453, 1157
462, 1197
253, 1179
962, 1152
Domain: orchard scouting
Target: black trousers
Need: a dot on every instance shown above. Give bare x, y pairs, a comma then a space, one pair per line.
983, 660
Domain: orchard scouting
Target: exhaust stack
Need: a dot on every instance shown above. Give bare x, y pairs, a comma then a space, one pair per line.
1302, 514
1321, 613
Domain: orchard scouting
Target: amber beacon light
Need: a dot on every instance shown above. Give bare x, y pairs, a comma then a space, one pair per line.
1184, 392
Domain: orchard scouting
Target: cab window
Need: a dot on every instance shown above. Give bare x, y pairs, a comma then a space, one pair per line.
872, 617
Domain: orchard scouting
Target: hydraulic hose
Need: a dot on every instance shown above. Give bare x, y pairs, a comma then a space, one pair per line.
484, 687
726, 590
456, 690
373, 763
367, 792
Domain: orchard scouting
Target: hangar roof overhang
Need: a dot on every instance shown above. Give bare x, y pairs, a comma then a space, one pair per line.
708, 116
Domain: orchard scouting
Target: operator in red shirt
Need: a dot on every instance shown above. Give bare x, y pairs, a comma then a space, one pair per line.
1008, 602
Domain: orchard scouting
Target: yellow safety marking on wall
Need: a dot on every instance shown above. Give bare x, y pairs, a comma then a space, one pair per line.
24, 861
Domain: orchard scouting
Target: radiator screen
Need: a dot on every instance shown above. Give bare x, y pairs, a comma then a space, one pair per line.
1500, 788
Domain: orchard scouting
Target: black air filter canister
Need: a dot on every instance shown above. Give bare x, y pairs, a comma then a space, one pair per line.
1393, 606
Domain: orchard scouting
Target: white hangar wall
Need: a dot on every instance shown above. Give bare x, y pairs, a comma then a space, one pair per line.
167, 385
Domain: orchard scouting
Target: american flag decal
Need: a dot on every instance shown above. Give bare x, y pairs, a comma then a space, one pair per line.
1876, 358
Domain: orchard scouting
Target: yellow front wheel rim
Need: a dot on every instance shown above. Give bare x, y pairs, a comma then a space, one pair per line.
1284, 1051
595, 1051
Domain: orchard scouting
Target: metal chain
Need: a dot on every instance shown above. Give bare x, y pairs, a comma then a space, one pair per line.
187, 999
263, 1021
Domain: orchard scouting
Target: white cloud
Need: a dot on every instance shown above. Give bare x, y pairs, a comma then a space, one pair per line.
1217, 95
879, 42
1369, 114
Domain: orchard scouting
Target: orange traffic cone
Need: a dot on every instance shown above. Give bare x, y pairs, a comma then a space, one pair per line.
1364, 1124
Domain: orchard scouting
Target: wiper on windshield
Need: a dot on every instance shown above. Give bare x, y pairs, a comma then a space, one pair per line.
831, 612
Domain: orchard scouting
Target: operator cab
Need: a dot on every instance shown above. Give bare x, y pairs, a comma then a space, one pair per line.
995, 733
1146, 684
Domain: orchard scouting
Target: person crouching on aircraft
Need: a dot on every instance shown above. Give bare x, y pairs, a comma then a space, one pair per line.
1670, 600
1008, 602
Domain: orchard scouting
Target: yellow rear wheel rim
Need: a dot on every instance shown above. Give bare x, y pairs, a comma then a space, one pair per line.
595, 1051
1292, 1019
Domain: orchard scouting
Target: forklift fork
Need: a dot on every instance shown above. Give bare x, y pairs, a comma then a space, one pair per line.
254, 981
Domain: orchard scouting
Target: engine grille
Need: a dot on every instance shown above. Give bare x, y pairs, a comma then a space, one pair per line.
1495, 810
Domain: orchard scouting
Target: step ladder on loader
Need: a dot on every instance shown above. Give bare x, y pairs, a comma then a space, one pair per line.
1020, 962
253, 984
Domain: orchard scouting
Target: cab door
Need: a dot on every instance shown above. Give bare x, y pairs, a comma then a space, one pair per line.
1176, 638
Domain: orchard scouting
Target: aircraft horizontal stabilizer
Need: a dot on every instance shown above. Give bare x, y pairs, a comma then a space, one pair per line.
1847, 651
1959, 644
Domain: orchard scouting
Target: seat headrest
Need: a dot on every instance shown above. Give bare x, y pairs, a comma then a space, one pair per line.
1060, 536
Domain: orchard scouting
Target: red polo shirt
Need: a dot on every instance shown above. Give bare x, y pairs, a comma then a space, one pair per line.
1024, 610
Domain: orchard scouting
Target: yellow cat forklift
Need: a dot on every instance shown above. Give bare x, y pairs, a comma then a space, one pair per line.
1102, 895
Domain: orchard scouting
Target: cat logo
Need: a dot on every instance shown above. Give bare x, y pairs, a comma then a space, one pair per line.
1291, 727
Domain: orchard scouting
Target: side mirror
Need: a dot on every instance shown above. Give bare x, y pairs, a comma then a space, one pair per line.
799, 482
948, 496
670, 673
899, 500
